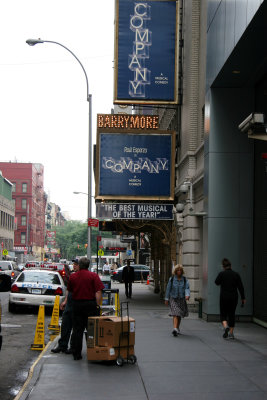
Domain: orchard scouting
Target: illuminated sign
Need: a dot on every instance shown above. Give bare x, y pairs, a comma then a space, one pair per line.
136, 164
146, 51
124, 121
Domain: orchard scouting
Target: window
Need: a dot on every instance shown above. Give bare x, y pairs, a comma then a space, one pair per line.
23, 238
24, 187
23, 220
14, 187
24, 204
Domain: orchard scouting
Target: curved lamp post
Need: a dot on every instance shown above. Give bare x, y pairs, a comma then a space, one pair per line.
32, 42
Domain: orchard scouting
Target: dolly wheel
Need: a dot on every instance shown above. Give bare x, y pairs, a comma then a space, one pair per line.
132, 359
119, 361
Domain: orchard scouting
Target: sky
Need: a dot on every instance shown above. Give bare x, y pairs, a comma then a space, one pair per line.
43, 101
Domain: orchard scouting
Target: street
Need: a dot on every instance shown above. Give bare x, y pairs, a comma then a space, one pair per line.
16, 356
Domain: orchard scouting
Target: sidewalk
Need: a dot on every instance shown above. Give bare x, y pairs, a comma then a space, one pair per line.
197, 365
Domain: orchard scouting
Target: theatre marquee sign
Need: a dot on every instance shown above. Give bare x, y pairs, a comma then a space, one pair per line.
134, 160
134, 211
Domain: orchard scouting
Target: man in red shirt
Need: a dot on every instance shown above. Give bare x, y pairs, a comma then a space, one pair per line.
86, 289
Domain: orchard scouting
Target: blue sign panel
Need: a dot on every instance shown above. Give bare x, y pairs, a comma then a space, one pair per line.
135, 165
146, 68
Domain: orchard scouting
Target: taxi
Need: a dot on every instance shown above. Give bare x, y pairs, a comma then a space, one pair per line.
35, 288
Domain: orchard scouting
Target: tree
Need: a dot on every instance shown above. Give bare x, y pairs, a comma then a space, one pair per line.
72, 239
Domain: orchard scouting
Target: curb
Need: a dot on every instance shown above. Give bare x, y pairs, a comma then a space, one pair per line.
33, 374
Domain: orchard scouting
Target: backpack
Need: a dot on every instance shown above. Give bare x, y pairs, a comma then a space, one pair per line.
172, 281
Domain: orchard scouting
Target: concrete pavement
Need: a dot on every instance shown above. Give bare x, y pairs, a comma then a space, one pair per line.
199, 364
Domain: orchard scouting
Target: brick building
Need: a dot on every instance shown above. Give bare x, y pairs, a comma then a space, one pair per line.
7, 215
30, 204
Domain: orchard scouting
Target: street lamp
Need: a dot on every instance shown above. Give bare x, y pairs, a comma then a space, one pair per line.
32, 42
81, 193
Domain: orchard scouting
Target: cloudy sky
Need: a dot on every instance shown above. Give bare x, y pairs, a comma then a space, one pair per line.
44, 111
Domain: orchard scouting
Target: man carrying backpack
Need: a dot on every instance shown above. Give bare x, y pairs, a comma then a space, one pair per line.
177, 293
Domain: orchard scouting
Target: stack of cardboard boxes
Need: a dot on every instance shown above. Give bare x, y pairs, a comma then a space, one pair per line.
109, 337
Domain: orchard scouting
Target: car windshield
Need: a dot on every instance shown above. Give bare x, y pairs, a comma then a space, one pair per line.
4, 266
34, 276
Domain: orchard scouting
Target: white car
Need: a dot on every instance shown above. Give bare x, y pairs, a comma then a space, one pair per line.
9, 268
35, 288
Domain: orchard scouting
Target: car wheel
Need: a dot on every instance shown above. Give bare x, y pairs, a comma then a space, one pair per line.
11, 307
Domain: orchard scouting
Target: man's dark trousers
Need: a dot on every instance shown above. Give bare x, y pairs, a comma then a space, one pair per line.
66, 328
66, 325
128, 289
82, 309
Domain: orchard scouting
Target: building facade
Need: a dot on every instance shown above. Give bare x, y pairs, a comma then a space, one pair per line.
30, 203
235, 189
7, 215
220, 185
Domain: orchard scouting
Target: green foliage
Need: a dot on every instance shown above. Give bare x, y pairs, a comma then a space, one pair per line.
74, 234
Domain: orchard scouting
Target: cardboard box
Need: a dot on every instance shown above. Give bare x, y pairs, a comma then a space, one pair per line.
92, 331
110, 331
114, 332
108, 353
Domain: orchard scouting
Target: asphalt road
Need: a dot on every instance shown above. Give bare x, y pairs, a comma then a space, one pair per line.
16, 357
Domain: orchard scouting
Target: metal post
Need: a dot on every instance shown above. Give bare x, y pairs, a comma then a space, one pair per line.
89, 236
33, 42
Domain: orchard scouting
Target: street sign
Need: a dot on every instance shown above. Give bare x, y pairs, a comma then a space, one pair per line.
5, 252
129, 252
100, 252
98, 238
93, 222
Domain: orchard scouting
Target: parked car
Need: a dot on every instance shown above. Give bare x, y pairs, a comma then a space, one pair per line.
32, 264
9, 268
1, 339
21, 267
63, 269
140, 272
36, 287
5, 285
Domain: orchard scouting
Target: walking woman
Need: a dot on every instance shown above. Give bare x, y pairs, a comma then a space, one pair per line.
177, 293
230, 282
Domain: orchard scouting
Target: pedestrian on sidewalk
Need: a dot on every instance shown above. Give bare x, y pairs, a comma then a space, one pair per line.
66, 324
176, 296
86, 289
230, 282
128, 279
106, 268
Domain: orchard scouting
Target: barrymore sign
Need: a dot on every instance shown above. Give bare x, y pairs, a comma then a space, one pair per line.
134, 211
135, 165
146, 52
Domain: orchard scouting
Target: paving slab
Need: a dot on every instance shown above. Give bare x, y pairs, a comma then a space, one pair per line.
199, 364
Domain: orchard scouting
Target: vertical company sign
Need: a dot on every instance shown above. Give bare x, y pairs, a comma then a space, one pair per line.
146, 51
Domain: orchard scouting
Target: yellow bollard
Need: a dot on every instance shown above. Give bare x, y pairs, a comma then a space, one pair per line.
39, 336
54, 324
